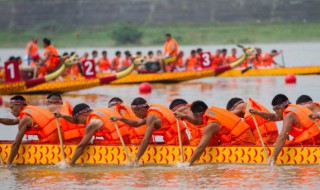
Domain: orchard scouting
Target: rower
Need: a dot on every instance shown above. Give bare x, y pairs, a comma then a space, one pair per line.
51, 58
171, 48
192, 62
126, 61
32, 121
182, 110
159, 120
136, 133
233, 57
268, 59
268, 129
115, 62
295, 122
219, 123
306, 101
216, 59
224, 56
97, 124
104, 63
72, 132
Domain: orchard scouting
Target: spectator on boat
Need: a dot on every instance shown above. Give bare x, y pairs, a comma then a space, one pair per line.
192, 62
32, 120
219, 123
51, 58
268, 129
223, 56
104, 64
159, 120
136, 133
98, 124
171, 48
295, 123
115, 62
31, 49
216, 59
306, 101
233, 57
126, 61
95, 57
180, 107
268, 59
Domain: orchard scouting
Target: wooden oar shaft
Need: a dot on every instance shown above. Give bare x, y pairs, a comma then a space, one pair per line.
180, 141
121, 140
317, 124
260, 136
60, 139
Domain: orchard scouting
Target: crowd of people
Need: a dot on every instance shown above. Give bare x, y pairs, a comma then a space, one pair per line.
170, 59
200, 125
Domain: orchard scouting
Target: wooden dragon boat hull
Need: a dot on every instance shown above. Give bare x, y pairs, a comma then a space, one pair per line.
159, 154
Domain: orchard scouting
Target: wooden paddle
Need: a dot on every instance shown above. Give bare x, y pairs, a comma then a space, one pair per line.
180, 141
260, 136
282, 57
246, 70
60, 139
121, 140
317, 124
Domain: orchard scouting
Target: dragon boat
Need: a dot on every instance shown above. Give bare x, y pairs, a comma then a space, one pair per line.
158, 154
81, 82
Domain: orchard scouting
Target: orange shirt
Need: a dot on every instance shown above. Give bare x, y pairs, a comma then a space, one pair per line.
53, 60
104, 64
171, 46
192, 63
34, 48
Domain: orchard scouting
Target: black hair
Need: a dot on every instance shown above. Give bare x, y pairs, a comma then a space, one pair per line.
46, 41
279, 99
304, 99
224, 50
65, 54
138, 101
168, 35
115, 99
79, 108
127, 53
198, 106
54, 94
193, 51
18, 97
199, 50
176, 102
232, 102
104, 52
150, 52
274, 51
139, 52
12, 58
72, 53
118, 52
94, 52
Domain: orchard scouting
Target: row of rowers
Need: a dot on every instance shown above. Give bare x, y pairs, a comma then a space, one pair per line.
140, 122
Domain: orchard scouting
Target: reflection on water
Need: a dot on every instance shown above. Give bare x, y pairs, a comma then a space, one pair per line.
223, 176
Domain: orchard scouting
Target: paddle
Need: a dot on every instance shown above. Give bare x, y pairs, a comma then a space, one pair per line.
121, 140
246, 70
60, 139
180, 141
282, 57
260, 136
315, 122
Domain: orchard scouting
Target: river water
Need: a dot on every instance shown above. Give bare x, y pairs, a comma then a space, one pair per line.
214, 91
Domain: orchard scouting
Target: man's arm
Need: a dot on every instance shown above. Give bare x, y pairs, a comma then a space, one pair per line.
288, 122
132, 123
92, 127
153, 122
174, 47
209, 131
266, 115
23, 125
8, 121
188, 117
67, 118
314, 115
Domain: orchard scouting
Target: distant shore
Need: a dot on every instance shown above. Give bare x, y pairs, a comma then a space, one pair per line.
186, 34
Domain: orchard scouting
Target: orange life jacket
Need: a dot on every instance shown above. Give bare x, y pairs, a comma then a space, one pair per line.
108, 130
223, 59
71, 132
136, 133
168, 45
44, 124
168, 127
115, 62
268, 129
215, 61
34, 49
257, 60
233, 130
104, 64
180, 62
126, 62
267, 60
305, 130
192, 63
53, 60
231, 58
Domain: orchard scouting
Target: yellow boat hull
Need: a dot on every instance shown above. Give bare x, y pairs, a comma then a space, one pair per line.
159, 154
